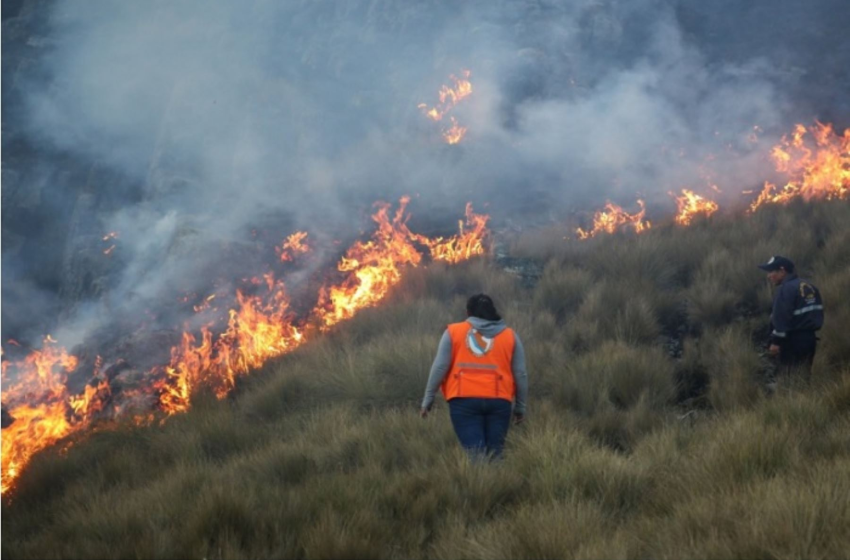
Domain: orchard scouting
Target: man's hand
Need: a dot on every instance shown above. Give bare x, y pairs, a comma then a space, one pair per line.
519, 417
773, 350
423, 412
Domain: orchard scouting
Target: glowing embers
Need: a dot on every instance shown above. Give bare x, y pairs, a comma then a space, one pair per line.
689, 205
817, 161
450, 96
613, 218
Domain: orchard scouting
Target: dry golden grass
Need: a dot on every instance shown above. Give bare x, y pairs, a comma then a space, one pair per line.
323, 455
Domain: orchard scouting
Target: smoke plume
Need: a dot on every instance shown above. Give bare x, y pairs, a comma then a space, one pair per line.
202, 133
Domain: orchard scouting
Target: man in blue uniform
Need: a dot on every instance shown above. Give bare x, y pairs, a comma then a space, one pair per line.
797, 315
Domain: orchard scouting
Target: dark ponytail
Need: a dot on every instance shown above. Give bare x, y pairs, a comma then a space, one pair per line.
482, 306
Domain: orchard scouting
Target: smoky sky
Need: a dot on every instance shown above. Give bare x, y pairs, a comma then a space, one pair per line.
189, 126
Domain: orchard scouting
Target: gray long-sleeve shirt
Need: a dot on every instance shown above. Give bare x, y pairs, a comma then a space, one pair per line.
443, 361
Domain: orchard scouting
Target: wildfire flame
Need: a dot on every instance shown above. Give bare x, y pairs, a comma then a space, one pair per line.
449, 98
613, 218
293, 245
41, 378
372, 267
35, 428
816, 159
455, 133
260, 326
691, 205
91, 401
468, 243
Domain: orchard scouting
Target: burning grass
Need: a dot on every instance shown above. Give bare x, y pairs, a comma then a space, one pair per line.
259, 327
817, 162
614, 218
450, 96
690, 205
813, 161
321, 453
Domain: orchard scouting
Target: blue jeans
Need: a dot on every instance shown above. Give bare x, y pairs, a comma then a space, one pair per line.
481, 425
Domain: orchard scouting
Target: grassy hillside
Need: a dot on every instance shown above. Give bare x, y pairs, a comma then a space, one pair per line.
649, 433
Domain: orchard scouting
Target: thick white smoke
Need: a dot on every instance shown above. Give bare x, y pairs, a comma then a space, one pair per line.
203, 121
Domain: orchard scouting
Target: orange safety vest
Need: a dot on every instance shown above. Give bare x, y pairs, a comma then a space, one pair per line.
480, 367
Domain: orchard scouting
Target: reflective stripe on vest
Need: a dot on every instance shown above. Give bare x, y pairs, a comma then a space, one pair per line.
481, 367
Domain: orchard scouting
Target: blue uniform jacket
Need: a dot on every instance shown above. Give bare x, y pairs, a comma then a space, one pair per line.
797, 307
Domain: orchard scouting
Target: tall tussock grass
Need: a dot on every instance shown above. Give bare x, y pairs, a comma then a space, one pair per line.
649, 432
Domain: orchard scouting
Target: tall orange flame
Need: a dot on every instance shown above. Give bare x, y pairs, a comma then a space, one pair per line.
691, 205
259, 329
372, 267
35, 428
613, 218
375, 267
817, 160
41, 378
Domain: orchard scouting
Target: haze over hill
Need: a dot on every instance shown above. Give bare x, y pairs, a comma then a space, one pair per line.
199, 133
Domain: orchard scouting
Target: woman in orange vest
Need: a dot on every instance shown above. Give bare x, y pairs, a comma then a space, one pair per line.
480, 368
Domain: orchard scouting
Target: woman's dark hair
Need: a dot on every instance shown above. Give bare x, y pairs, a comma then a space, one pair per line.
481, 306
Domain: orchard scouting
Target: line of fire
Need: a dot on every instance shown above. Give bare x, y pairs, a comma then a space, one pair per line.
260, 324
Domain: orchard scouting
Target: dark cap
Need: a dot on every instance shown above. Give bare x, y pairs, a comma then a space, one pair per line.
776, 262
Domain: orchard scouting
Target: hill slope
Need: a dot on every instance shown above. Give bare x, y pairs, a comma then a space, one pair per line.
649, 432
